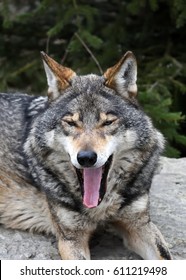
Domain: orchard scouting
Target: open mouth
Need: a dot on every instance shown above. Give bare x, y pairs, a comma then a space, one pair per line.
93, 182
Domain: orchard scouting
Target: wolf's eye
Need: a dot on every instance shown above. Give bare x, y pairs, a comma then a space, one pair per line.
71, 123
106, 123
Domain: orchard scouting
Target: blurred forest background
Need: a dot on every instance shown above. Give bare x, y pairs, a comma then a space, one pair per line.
90, 36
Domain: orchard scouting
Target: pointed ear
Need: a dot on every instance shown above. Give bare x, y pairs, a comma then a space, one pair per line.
58, 77
122, 76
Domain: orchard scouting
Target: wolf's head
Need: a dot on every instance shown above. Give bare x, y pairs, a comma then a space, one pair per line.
93, 118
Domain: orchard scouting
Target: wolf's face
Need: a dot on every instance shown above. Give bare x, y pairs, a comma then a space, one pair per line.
92, 123
94, 119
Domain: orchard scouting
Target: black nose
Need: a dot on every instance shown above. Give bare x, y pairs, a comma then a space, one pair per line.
86, 158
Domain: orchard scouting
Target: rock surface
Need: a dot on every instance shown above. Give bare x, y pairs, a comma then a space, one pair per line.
168, 212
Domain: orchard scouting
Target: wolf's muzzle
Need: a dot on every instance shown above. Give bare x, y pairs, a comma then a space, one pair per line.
87, 158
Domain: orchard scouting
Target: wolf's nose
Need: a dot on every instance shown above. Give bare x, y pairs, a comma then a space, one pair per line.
86, 158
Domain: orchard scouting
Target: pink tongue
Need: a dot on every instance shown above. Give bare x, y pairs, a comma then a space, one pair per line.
92, 181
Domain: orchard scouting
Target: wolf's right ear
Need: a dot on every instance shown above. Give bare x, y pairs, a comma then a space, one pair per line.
58, 76
122, 76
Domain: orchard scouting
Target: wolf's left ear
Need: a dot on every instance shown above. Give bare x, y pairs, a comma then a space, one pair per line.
122, 76
58, 76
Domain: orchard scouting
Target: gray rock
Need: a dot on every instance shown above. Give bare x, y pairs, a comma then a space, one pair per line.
168, 212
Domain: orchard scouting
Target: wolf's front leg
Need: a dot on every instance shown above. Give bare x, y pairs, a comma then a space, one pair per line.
145, 240
72, 232
74, 245
141, 235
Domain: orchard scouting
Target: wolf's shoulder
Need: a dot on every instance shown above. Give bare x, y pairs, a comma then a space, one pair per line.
17, 96
30, 104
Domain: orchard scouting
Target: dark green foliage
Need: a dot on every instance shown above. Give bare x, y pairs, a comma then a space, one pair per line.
89, 36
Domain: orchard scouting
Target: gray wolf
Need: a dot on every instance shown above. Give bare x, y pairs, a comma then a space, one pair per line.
81, 157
